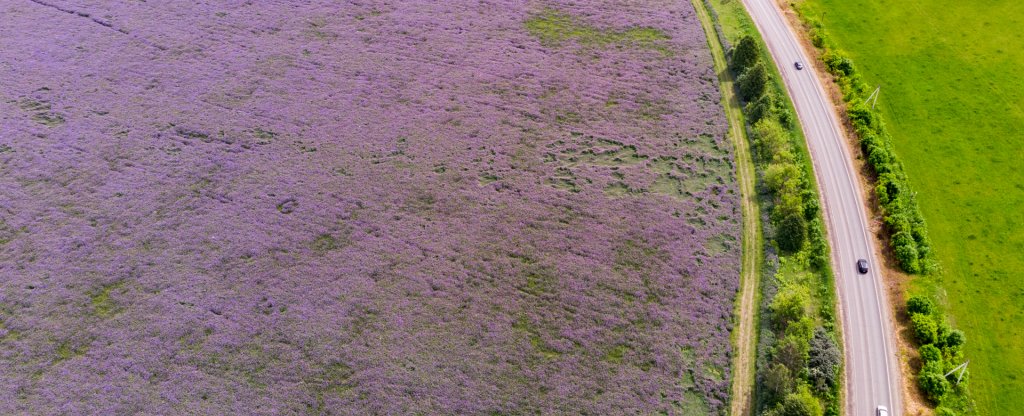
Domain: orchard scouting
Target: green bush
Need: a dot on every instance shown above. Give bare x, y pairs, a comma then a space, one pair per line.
932, 382
789, 305
908, 257
770, 139
838, 64
823, 361
778, 381
782, 177
799, 403
791, 233
930, 353
954, 340
792, 352
819, 247
753, 81
745, 54
765, 106
920, 304
944, 411
925, 329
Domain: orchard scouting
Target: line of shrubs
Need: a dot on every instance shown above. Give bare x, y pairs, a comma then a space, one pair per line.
941, 350
801, 367
902, 217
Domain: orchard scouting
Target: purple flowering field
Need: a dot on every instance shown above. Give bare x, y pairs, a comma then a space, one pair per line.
362, 207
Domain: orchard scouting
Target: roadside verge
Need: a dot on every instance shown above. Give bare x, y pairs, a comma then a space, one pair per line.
744, 335
797, 361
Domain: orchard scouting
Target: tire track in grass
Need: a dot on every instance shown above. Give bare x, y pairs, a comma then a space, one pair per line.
744, 333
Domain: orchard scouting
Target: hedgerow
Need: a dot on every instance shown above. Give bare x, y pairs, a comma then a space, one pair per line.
800, 372
940, 346
902, 217
939, 349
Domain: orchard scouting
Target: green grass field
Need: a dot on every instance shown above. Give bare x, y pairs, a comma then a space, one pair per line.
951, 95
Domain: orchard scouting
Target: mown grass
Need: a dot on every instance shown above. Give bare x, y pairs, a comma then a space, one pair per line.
949, 72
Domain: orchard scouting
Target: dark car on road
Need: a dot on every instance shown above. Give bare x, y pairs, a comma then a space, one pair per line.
798, 65
862, 266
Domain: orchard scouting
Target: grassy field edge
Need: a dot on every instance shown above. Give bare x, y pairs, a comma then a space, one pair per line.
876, 145
744, 336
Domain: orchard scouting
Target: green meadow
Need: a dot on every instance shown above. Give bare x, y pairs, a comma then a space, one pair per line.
953, 98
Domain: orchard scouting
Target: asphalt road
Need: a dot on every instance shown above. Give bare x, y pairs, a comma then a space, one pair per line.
872, 374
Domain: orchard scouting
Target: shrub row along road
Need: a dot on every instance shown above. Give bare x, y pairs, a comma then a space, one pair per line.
872, 376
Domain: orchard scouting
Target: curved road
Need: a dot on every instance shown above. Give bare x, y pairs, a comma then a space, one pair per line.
872, 374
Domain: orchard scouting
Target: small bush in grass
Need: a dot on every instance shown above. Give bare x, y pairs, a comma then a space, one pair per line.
920, 304
908, 257
954, 340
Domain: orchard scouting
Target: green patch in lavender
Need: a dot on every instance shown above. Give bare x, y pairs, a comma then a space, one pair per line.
616, 354
693, 404
103, 305
41, 112
540, 348
609, 153
488, 177
539, 280
553, 28
719, 244
68, 350
653, 110
638, 255
328, 242
678, 186
620, 189
263, 136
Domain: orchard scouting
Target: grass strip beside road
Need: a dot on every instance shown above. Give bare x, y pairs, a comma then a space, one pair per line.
744, 334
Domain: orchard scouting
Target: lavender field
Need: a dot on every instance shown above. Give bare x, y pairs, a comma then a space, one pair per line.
363, 207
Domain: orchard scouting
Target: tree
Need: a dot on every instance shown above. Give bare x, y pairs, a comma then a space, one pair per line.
792, 352
788, 305
765, 106
925, 329
824, 360
753, 81
744, 54
932, 381
920, 304
779, 176
778, 382
792, 232
800, 403
770, 140
955, 339
930, 353
907, 256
